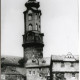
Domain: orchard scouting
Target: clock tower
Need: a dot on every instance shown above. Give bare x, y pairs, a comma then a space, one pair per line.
32, 38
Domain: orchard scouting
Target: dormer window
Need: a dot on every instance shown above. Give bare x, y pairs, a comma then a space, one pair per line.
43, 61
30, 27
39, 26
33, 61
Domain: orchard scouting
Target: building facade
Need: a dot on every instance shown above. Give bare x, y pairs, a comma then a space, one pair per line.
65, 67
33, 66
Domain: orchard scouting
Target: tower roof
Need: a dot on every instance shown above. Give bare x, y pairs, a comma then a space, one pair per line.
10, 60
32, 3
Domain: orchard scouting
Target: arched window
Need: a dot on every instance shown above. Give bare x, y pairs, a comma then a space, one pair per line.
36, 16
30, 27
29, 12
29, 16
36, 26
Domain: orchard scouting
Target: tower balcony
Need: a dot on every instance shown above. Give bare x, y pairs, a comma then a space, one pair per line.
32, 41
30, 44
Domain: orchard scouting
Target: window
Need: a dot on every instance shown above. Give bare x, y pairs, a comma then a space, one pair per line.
29, 12
43, 61
73, 74
33, 72
40, 69
72, 65
64, 78
36, 26
39, 26
2, 77
29, 72
62, 64
39, 16
40, 75
36, 16
30, 26
30, 17
33, 61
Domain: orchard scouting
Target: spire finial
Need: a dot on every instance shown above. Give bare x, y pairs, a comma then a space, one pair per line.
31, 0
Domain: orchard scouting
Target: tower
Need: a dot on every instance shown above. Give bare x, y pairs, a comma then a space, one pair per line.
32, 38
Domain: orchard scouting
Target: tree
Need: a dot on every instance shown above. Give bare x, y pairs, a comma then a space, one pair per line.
22, 61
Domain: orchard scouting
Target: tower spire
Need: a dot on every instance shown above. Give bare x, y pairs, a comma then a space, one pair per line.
31, 0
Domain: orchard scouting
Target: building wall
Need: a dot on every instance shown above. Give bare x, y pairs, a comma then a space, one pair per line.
69, 76
32, 51
65, 76
11, 77
69, 70
10, 73
33, 21
37, 73
66, 66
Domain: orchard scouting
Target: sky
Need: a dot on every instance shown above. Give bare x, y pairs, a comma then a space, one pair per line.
59, 23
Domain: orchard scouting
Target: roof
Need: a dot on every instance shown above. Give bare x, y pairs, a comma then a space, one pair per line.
13, 71
10, 60
68, 57
43, 62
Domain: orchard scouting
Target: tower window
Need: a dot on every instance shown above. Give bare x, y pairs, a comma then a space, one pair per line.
33, 61
30, 17
39, 26
29, 12
43, 61
39, 16
36, 26
33, 72
30, 27
36, 16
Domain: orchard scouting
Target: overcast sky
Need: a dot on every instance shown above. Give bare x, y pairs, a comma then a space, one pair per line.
59, 24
